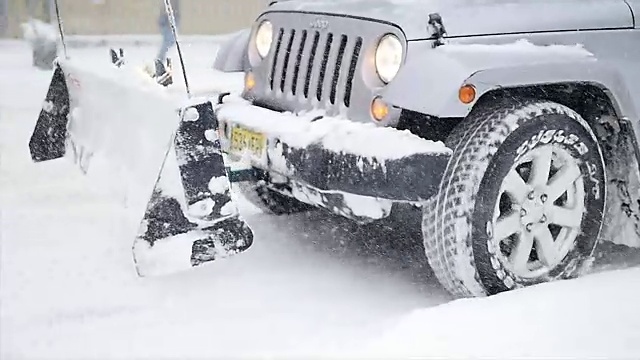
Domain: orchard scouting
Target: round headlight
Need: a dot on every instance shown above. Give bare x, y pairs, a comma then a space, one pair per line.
264, 38
388, 57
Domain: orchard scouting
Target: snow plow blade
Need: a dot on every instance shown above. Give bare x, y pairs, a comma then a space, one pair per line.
133, 139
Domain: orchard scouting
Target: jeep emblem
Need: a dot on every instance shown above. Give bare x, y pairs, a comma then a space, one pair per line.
319, 24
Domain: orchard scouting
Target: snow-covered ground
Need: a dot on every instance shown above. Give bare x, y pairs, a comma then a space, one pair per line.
312, 285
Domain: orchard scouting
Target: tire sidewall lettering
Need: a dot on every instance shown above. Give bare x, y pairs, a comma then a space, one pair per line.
570, 141
553, 136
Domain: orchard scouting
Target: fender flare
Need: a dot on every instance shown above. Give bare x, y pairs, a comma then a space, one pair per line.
599, 74
442, 71
232, 54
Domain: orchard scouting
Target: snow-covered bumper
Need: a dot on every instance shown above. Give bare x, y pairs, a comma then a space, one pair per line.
331, 154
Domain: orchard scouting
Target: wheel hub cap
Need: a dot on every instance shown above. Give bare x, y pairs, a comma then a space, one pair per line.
539, 211
533, 210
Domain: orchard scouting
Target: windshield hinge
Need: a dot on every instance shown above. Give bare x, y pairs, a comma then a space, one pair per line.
436, 27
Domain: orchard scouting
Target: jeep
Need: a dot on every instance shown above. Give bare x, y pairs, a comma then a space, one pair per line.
511, 123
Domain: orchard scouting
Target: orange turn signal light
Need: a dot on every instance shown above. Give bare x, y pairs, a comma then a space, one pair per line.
379, 109
249, 81
467, 94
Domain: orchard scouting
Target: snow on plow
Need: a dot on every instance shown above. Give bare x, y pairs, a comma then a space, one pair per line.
160, 156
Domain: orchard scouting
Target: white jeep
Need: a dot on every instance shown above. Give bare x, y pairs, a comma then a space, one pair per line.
510, 122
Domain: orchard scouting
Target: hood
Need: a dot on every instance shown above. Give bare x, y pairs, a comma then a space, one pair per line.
477, 17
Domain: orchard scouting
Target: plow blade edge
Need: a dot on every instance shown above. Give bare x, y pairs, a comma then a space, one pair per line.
160, 158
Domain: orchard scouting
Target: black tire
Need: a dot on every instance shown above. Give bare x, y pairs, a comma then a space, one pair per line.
458, 222
270, 201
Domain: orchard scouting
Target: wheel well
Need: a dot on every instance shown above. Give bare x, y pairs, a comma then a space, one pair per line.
588, 100
615, 136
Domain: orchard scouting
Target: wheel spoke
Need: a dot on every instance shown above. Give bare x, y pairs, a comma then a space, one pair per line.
541, 167
520, 255
506, 226
562, 216
562, 181
545, 246
515, 186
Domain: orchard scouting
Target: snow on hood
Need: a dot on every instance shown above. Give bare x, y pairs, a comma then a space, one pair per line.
477, 17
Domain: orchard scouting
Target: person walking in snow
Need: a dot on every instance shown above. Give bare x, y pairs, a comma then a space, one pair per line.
165, 29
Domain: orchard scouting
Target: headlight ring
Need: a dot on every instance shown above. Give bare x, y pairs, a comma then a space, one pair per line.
264, 38
388, 57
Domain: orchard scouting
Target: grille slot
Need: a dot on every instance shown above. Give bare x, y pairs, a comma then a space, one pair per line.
336, 71
296, 71
314, 66
312, 57
275, 58
287, 57
323, 66
352, 71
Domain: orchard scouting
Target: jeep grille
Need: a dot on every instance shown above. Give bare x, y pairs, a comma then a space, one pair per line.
309, 64
317, 61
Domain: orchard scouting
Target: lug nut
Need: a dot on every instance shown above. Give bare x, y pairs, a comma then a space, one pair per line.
531, 195
544, 197
529, 227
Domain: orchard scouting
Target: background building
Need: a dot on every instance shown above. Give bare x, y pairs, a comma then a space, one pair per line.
109, 17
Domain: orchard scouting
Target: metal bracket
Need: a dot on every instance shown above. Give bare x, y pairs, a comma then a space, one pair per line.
437, 29
243, 175
221, 97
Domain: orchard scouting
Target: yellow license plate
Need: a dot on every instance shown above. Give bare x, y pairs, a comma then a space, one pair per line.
243, 140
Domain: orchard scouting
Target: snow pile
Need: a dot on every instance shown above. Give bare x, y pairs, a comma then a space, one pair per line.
125, 122
470, 58
112, 78
165, 257
596, 316
368, 207
355, 206
37, 30
219, 185
522, 46
335, 134
134, 74
311, 286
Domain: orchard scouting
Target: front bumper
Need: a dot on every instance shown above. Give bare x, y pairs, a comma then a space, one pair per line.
337, 155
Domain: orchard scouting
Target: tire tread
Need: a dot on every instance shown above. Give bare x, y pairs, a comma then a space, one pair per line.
447, 217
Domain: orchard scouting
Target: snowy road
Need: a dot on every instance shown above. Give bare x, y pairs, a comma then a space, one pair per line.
64, 264
312, 284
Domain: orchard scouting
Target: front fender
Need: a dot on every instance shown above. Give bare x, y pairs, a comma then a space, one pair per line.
429, 81
232, 55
